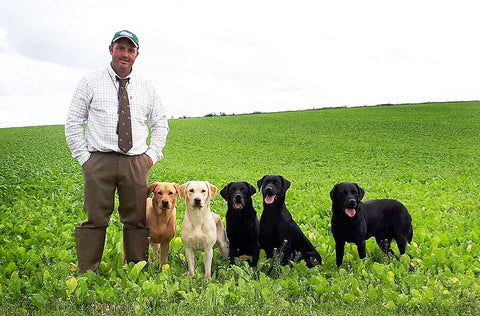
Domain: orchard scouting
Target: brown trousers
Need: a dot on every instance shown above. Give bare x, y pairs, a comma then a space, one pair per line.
104, 173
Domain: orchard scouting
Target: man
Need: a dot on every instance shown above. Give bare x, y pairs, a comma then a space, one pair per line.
118, 108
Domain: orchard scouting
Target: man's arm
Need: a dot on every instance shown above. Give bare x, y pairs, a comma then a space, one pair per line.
77, 117
158, 124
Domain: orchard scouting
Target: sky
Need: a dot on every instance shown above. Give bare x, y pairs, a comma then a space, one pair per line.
244, 56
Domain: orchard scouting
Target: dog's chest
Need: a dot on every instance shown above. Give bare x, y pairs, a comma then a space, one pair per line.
162, 232
200, 235
348, 231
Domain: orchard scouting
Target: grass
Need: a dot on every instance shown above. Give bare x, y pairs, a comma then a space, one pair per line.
425, 155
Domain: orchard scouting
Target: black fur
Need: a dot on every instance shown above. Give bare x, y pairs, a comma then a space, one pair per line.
278, 230
356, 221
242, 221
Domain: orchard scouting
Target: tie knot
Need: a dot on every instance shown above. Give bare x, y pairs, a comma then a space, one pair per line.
123, 82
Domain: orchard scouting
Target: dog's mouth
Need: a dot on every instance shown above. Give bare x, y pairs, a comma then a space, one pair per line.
269, 199
350, 212
238, 205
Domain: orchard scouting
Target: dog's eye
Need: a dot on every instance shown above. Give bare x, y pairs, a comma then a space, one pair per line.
203, 191
191, 190
170, 193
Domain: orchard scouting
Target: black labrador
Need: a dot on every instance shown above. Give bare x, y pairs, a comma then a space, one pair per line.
356, 221
242, 222
278, 230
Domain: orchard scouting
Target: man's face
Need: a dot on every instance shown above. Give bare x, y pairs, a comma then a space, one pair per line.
124, 53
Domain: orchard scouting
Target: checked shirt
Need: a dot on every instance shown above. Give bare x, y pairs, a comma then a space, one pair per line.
95, 106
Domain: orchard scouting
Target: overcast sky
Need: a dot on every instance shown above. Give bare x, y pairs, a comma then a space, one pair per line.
242, 56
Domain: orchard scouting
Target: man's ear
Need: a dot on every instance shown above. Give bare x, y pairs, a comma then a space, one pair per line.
110, 49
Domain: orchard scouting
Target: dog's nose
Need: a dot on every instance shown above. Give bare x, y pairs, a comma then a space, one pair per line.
165, 203
268, 190
352, 203
238, 198
197, 201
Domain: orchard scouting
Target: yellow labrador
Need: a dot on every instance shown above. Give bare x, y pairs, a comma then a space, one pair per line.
161, 217
201, 228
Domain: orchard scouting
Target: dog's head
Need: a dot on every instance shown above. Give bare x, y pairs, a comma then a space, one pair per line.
346, 197
197, 193
273, 189
164, 195
238, 194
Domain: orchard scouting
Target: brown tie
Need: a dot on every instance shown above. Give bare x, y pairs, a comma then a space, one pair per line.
124, 124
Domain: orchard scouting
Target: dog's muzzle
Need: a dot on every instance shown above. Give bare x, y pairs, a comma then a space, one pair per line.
269, 195
352, 203
269, 191
350, 208
197, 202
238, 202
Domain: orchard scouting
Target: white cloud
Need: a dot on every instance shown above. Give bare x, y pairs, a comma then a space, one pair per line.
236, 57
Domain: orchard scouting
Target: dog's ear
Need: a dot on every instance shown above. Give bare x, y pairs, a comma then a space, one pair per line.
177, 187
332, 192
152, 187
361, 192
251, 189
224, 192
182, 190
211, 190
286, 184
259, 183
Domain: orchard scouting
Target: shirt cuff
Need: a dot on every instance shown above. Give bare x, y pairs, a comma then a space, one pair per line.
153, 155
84, 157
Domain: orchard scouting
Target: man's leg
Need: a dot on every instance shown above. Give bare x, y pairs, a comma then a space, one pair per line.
132, 192
99, 201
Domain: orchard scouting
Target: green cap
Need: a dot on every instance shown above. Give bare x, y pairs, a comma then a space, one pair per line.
127, 34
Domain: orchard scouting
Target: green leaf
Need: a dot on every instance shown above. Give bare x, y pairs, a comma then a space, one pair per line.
38, 300
135, 271
71, 285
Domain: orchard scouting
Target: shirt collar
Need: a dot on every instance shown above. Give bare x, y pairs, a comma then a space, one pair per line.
114, 75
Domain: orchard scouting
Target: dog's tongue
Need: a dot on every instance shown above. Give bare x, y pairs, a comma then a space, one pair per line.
269, 199
350, 212
237, 205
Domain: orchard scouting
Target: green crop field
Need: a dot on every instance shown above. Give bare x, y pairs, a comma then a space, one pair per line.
426, 155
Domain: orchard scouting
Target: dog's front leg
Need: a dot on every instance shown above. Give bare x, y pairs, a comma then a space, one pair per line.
339, 251
164, 253
208, 263
232, 253
155, 250
286, 252
255, 255
362, 253
190, 253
